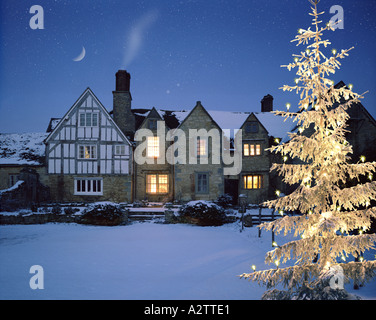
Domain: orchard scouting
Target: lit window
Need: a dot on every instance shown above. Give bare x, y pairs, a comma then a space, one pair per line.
252, 182
163, 183
157, 183
88, 187
252, 147
87, 152
246, 150
258, 149
153, 147
201, 147
89, 119
251, 150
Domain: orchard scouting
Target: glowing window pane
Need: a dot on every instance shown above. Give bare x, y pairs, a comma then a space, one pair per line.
258, 149
153, 147
246, 150
252, 149
201, 147
162, 184
255, 182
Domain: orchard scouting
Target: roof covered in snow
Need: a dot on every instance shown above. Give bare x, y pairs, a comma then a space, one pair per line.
22, 149
29, 149
276, 125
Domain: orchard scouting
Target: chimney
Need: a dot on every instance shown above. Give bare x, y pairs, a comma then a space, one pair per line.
123, 79
122, 113
267, 103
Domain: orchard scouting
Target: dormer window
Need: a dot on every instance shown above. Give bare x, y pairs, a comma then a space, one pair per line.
153, 124
252, 127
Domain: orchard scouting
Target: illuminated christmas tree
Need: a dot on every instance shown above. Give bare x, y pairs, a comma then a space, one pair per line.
334, 216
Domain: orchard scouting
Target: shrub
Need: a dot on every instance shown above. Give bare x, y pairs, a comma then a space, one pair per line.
106, 214
224, 200
56, 209
203, 213
70, 210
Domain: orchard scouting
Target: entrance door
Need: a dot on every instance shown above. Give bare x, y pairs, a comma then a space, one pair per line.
232, 188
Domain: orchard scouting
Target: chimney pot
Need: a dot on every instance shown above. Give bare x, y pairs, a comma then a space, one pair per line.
123, 80
267, 103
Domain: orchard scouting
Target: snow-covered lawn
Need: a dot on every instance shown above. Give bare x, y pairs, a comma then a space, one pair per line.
137, 261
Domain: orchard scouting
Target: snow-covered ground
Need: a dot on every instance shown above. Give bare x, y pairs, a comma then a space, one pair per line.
138, 261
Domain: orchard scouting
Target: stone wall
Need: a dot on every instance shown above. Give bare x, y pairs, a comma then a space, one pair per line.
116, 188
164, 168
26, 192
7, 170
257, 164
185, 174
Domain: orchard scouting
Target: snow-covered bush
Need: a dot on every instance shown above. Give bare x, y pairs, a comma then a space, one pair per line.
224, 200
70, 210
327, 286
56, 209
203, 213
107, 214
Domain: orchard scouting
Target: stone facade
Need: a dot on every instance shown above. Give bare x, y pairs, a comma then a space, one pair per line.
203, 180
150, 176
26, 192
116, 188
254, 178
99, 147
9, 174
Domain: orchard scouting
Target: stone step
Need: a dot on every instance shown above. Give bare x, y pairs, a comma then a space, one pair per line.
141, 213
144, 216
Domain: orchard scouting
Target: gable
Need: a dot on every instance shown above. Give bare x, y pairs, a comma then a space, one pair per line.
199, 118
87, 141
250, 124
75, 123
154, 116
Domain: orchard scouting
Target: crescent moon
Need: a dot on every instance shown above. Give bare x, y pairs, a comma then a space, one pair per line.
81, 55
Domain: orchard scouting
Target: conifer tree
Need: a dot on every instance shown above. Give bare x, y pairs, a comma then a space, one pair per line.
319, 165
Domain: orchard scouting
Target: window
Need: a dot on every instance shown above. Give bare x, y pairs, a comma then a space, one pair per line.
13, 178
120, 150
252, 182
153, 147
251, 150
202, 147
88, 186
88, 119
153, 124
157, 183
251, 127
87, 152
202, 182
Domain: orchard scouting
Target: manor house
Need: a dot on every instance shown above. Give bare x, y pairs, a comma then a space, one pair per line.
92, 153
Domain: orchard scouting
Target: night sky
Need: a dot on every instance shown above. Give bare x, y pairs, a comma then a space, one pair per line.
226, 54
